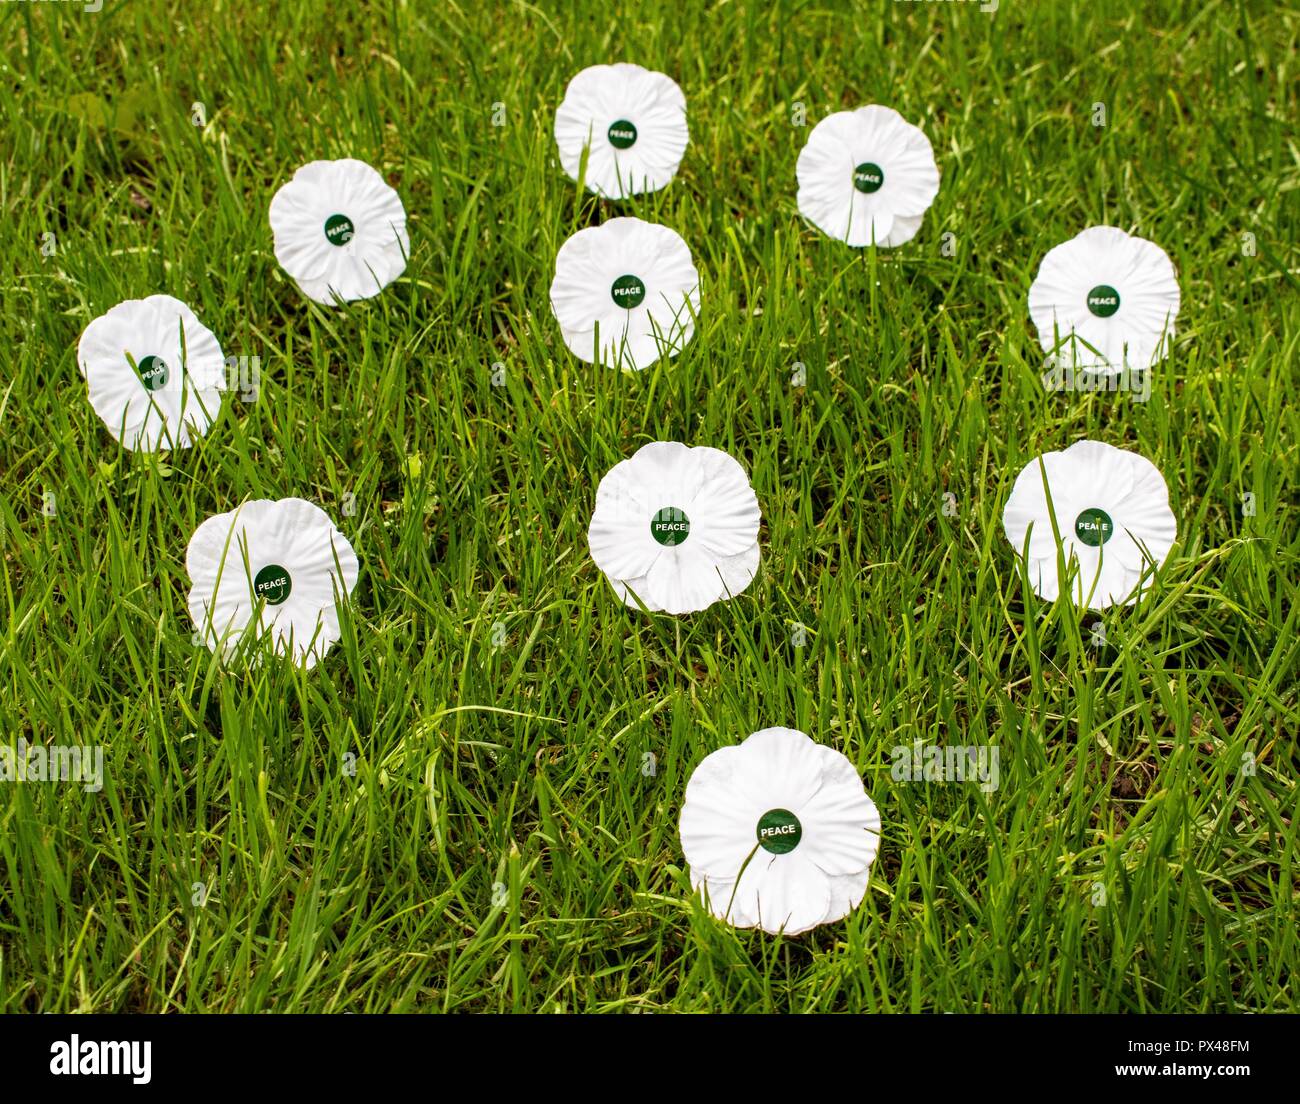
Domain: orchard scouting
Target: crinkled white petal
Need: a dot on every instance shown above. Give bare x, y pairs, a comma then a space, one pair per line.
841, 825
1071, 478
903, 229
1091, 475
875, 135
668, 589
226, 554
1138, 334
1144, 518
170, 414
824, 877
594, 326
745, 909
725, 796
362, 265
774, 768
719, 556
778, 893
630, 493
599, 97
846, 893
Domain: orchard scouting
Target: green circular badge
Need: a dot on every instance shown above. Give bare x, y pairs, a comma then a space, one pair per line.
779, 831
273, 584
628, 292
154, 372
670, 527
339, 230
622, 134
868, 178
1103, 301
1094, 527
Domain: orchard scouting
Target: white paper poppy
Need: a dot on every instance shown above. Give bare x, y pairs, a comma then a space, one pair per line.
676, 527
1112, 513
154, 373
634, 121
1105, 301
867, 176
340, 231
625, 293
779, 833
270, 567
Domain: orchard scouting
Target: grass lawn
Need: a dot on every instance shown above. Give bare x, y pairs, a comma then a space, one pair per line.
458, 810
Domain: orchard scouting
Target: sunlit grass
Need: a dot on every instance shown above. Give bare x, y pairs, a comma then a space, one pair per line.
458, 809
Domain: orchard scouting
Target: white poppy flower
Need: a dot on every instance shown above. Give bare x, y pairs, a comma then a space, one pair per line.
154, 373
625, 293
340, 231
1106, 301
867, 176
676, 527
779, 833
634, 120
275, 566
1112, 513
